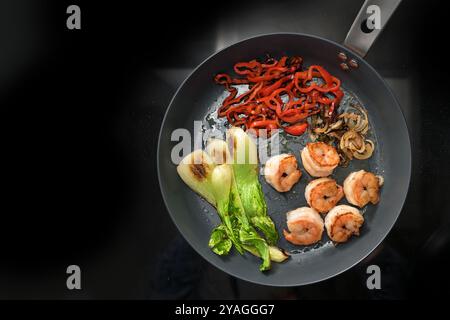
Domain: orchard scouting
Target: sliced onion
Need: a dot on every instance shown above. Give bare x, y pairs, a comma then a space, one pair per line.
335, 126
321, 130
367, 152
349, 131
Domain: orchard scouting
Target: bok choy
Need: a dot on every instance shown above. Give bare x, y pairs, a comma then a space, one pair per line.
196, 170
228, 179
245, 167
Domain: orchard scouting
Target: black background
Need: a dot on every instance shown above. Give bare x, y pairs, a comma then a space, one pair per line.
80, 116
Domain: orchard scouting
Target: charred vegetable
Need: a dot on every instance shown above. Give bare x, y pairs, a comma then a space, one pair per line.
195, 170
229, 181
244, 161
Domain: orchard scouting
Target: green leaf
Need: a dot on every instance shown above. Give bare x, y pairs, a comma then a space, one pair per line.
250, 237
219, 241
267, 227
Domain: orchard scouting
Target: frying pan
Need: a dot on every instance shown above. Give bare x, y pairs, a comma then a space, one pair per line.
199, 95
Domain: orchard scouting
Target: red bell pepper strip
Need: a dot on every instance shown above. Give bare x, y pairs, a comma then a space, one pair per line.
296, 129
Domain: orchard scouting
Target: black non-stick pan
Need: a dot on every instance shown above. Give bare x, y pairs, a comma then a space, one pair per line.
199, 95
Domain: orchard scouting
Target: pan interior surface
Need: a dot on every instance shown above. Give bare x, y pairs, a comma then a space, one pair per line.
197, 99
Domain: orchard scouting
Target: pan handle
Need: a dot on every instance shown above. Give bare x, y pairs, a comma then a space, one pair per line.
369, 23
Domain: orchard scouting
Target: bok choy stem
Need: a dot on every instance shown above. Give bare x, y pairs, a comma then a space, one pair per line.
245, 167
221, 183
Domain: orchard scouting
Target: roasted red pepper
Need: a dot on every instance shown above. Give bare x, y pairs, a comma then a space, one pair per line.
279, 93
296, 129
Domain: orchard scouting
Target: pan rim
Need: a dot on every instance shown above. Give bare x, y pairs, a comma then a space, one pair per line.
366, 252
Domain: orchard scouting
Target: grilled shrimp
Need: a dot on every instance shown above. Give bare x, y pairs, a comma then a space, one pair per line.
319, 159
305, 226
342, 222
323, 194
281, 172
362, 187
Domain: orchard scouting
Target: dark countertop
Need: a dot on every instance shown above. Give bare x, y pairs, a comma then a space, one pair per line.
81, 112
